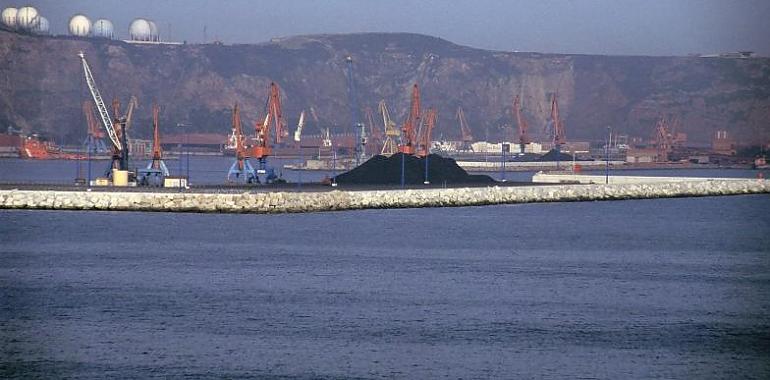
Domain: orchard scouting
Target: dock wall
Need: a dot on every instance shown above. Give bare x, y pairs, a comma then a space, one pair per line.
283, 202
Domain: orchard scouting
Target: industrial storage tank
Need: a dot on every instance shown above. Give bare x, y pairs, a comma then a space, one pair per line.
9, 17
27, 18
80, 25
43, 26
140, 30
153, 30
103, 28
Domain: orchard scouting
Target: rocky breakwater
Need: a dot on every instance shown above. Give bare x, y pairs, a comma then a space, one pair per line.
282, 202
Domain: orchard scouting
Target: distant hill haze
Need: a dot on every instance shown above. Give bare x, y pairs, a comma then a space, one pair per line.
42, 86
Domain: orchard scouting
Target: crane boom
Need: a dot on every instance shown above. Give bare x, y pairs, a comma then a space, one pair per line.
103, 113
300, 124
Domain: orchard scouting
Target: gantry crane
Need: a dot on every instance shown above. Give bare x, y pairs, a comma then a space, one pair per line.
241, 168
425, 132
389, 147
521, 122
355, 117
465, 131
94, 141
408, 138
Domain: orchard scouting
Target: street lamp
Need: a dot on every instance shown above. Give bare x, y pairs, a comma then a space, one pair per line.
180, 146
607, 156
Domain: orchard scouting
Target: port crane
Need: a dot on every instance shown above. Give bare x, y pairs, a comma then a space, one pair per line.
261, 150
355, 118
556, 126
374, 132
241, 168
118, 136
521, 122
94, 141
156, 170
663, 140
392, 133
425, 131
300, 125
326, 138
408, 138
465, 131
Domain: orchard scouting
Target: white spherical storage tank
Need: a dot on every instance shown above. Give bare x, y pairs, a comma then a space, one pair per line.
9, 17
104, 28
80, 25
140, 30
43, 26
27, 18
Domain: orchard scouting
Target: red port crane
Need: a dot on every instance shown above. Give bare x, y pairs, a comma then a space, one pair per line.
424, 135
412, 122
662, 140
374, 132
522, 124
465, 130
557, 126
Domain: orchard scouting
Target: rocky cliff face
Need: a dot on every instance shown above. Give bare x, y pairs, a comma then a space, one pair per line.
41, 85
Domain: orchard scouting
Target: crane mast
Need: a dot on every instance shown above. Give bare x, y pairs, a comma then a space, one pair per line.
100, 106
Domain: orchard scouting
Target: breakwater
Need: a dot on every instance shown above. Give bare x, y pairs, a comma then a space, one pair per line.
283, 202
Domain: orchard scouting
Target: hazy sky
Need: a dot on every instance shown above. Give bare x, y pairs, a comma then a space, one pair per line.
637, 27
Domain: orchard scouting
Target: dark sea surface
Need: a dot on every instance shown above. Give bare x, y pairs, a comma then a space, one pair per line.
667, 288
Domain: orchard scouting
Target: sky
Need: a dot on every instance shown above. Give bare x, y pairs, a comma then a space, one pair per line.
614, 27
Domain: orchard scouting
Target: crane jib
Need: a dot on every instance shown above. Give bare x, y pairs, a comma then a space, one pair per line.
104, 115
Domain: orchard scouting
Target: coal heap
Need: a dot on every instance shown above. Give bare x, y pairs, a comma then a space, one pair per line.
554, 155
381, 170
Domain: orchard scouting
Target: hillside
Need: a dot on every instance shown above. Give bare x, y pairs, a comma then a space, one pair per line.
41, 85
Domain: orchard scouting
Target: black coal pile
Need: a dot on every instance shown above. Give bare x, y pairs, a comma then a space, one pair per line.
381, 170
554, 155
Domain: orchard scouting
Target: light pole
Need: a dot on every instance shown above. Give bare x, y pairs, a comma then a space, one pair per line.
607, 156
180, 146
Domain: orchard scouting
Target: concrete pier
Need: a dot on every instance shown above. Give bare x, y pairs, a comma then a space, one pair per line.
284, 202
617, 179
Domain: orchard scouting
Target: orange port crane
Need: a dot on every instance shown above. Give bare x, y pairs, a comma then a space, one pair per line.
95, 137
408, 138
465, 130
241, 168
424, 135
157, 153
261, 150
522, 124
